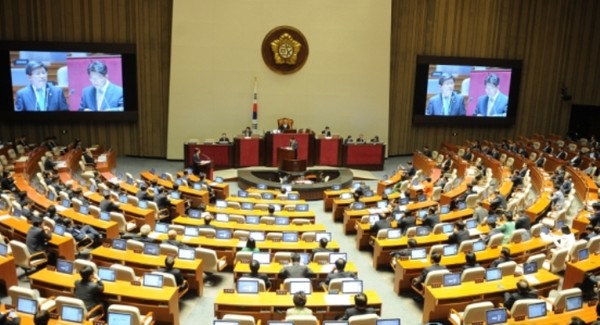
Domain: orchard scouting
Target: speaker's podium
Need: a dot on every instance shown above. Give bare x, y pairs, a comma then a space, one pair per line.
206, 167
287, 163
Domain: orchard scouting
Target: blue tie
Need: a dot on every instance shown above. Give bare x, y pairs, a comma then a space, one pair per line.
41, 99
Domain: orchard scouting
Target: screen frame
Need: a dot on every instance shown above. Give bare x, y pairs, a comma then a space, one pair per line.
420, 91
128, 69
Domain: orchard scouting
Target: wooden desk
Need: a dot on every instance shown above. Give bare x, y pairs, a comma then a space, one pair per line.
8, 270
327, 152
340, 205
272, 271
352, 217
384, 184
521, 251
439, 301
406, 270
249, 151
64, 246
544, 187
163, 302
427, 165
363, 230
266, 306
141, 263
27, 319
575, 272
587, 313
109, 228
369, 156
264, 201
585, 187
313, 227
290, 214
139, 215
330, 195
221, 189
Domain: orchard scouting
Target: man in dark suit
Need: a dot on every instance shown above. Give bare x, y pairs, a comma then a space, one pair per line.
49, 164
523, 222
143, 235
595, 216
523, 292
89, 288
435, 260
561, 154
447, 102
37, 237
254, 267
247, 132
406, 252
460, 234
169, 263
494, 102
576, 161
294, 146
338, 272
326, 132
516, 179
142, 193
39, 96
172, 239
548, 148
385, 223
409, 220
102, 95
161, 199
322, 247
431, 219
498, 202
296, 270
360, 307
107, 205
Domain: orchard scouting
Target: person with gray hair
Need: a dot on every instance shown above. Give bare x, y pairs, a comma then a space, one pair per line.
40, 95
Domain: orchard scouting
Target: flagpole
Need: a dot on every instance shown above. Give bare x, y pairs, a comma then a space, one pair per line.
255, 108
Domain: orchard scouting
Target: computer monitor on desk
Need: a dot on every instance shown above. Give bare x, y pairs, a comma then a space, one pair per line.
452, 279
574, 303
493, 274
262, 257
390, 321
119, 318
495, 316
247, 286
335, 256
71, 314
26, 305
536, 310
418, 253
297, 286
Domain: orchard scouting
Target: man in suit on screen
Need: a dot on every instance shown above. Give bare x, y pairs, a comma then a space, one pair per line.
447, 102
102, 95
493, 103
39, 96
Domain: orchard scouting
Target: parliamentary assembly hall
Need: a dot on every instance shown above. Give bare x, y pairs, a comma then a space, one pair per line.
316, 162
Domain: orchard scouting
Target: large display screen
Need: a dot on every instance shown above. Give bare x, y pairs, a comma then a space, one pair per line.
68, 81
465, 91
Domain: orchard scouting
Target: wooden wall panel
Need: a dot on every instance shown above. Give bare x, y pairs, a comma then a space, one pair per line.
557, 41
146, 23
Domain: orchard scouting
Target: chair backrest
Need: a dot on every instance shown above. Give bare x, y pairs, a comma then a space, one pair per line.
536, 230
241, 234
593, 245
518, 235
267, 220
437, 193
411, 232
466, 245
69, 301
321, 257
496, 240
257, 196
234, 205
119, 218
133, 200
579, 245
472, 200
308, 236
366, 319
243, 257
287, 121
167, 249
78, 264
123, 273
242, 319
558, 260
300, 221
15, 292
508, 268
538, 259
274, 236
435, 278
260, 206
94, 211
473, 274
437, 248
136, 317
20, 253
519, 308
382, 233
209, 259
336, 284
133, 244
282, 257
476, 312
237, 218
207, 232
303, 319
560, 301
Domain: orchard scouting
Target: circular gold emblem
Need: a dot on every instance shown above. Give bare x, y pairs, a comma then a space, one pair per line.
284, 50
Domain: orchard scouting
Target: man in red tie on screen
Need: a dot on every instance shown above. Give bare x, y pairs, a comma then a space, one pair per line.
102, 95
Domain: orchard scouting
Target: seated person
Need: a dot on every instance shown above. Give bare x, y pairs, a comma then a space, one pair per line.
382, 223
360, 307
348, 140
470, 261
460, 234
508, 227
142, 193
299, 308
360, 139
169, 263
322, 247
143, 235
172, 239
295, 270
224, 138
375, 139
523, 292
435, 260
107, 205
7, 319
81, 233
88, 157
37, 237
405, 252
567, 240
326, 132
250, 246
339, 271
431, 219
208, 218
408, 221
504, 257
89, 288
254, 267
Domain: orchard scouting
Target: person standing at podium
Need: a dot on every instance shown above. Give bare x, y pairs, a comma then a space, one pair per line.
294, 146
200, 159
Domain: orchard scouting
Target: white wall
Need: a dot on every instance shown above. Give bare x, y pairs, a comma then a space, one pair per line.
216, 53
